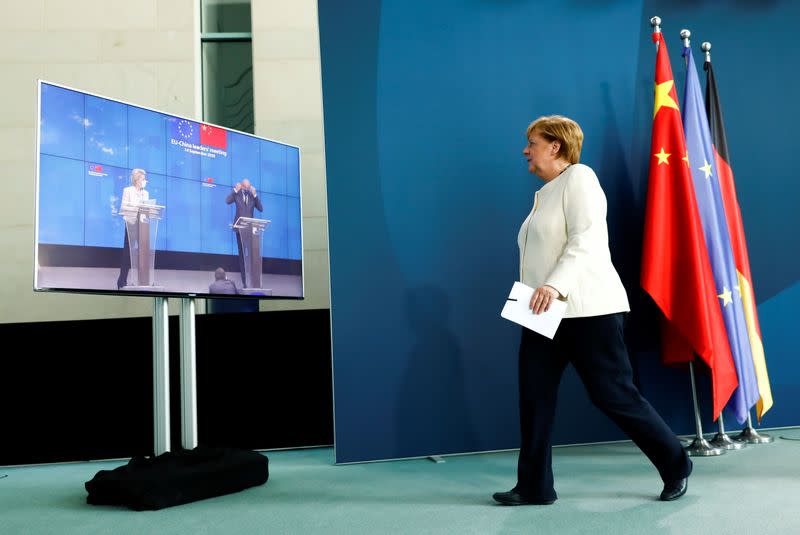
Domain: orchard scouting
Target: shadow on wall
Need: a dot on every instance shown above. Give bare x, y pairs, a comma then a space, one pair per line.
432, 391
624, 219
624, 216
626, 207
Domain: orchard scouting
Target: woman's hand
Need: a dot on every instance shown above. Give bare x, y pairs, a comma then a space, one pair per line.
542, 299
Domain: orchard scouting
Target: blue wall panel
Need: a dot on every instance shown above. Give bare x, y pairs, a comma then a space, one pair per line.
273, 168
275, 241
292, 171
106, 131
294, 219
62, 124
426, 106
215, 222
216, 169
61, 190
246, 164
185, 207
157, 188
104, 185
147, 140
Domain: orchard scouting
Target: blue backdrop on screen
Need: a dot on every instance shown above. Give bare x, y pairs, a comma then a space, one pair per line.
426, 106
89, 145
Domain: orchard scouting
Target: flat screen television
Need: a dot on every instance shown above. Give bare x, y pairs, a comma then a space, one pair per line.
135, 201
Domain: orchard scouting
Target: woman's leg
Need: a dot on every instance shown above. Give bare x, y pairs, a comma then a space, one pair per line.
540, 368
601, 359
125, 262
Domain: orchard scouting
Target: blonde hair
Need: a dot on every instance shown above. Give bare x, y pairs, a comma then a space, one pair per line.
135, 173
561, 129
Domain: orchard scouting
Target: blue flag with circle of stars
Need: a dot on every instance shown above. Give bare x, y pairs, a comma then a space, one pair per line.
700, 159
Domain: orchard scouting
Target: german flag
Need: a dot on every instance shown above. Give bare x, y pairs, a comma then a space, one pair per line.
736, 230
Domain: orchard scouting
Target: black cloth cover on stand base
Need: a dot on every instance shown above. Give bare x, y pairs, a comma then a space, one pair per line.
174, 478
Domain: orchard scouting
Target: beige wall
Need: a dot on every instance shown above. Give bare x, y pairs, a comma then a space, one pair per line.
142, 51
138, 51
287, 85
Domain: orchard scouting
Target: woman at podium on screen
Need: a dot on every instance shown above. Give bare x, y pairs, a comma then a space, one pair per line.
131, 196
564, 254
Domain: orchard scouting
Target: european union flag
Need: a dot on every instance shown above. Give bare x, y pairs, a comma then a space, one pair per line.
183, 160
184, 130
700, 159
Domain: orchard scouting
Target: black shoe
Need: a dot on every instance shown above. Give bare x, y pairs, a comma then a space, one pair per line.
512, 497
674, 489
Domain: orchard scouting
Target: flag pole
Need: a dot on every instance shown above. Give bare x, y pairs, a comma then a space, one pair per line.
685, 35
748, 435
751, 436
706, 48
700, 447
655, 22
722, 440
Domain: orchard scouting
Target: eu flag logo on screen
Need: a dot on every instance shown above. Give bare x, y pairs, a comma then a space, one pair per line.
184, 130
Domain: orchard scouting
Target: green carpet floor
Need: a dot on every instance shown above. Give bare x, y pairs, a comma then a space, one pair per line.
603, 489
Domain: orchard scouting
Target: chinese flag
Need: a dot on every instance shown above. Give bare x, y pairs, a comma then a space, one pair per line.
676, 270
213, 137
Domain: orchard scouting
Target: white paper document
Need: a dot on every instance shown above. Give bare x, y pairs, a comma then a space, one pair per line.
517, 309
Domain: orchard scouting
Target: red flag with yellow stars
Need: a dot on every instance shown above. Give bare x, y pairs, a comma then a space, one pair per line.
676, 270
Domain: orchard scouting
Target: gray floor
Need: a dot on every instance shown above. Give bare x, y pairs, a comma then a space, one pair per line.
603, 489
178, 281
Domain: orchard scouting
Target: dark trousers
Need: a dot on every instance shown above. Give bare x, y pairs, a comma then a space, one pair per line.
241, 259
125, 262
596, 348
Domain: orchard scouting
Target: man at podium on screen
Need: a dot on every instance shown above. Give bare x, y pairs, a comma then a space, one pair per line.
131, 196
246, 199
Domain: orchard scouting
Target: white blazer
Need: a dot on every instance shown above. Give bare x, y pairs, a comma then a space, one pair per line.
564, 243
132, 196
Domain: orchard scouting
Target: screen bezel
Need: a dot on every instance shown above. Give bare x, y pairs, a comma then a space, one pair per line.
136, 293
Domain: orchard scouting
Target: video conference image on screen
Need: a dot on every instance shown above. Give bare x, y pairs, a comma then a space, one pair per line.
131, 200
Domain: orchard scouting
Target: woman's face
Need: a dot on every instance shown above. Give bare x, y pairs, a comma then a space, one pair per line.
140, 182
539, 152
